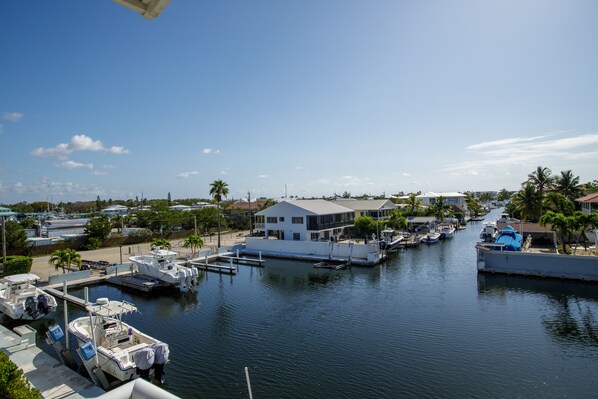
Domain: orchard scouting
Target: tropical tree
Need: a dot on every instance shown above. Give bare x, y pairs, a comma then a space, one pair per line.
473, 203
440, 209
64, 258
541, 179
561, 223
583, 223
194, 242
414, 205
397, 220
503, 195
99, 227
568, 185
160, 243
218, 190
527, 202
364, 226
557, 202
16, 237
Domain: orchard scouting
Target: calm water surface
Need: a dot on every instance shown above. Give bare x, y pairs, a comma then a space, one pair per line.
422, 325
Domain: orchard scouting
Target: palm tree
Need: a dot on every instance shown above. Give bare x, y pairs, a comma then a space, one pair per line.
527, 202
218, 190
413, 204
584, 222
558, 203
568, 185
440, 209
541, 179
160, 243
65, 258
194, 242
558, 221
396, 220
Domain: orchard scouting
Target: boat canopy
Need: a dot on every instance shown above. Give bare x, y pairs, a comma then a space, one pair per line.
510, 239
111, 308
21, 278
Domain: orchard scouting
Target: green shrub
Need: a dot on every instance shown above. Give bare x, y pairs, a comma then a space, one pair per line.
92, 243
567, 250
17, 265
13, 385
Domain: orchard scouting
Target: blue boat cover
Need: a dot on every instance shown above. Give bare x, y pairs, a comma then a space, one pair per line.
510, 238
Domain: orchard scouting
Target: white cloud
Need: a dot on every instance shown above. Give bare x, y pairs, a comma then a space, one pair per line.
210, 151
298, 167
185, 175
405, 174
525, 152
107, 166
262, 176
74, 165
79, 142
12, 116
98, 173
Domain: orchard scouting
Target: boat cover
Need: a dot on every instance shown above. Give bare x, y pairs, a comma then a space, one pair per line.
509, 239
161, 352
144, 358
111, 309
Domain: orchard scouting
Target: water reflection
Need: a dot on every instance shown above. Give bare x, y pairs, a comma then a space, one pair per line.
572, 305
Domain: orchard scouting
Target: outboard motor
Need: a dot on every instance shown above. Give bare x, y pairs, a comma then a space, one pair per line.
161, 354
42, 304
144, 360
382, 244
30, 306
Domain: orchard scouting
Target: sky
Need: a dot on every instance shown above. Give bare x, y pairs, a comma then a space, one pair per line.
320, 97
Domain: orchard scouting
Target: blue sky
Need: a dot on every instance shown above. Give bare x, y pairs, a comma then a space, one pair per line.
323, 96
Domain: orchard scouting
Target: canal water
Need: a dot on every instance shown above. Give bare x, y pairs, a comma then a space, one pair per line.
422, 325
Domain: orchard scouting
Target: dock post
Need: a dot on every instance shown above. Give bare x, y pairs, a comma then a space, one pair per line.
237, 252
206, 259
66, 314
86, 294
260, 256
230, 262
248, 383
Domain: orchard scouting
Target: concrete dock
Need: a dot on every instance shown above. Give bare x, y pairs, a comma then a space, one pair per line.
49, 375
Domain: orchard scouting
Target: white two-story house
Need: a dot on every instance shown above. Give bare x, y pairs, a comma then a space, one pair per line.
451, 198
304, 220
374, 208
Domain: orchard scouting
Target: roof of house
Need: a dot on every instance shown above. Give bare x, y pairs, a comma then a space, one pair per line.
436, 195
316, 206
360, 205
115, 208
588, 198
420, 219
246, 205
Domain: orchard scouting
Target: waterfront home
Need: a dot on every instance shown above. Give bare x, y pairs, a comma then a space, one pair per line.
374, 208
115, 210
589, 203
182, 208
304, 220
450, 198
415, 222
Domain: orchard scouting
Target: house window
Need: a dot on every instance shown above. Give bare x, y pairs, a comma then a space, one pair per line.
281, 219
315, 236
297, 220
271, 219
296, 236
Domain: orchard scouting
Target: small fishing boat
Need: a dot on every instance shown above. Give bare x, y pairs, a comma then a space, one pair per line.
123, 352
389, 241
161, 264
433, 237
20, 299
489, 232
447, 231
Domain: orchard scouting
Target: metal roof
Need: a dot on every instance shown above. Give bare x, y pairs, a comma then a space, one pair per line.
588, 198
316, 206
363, 205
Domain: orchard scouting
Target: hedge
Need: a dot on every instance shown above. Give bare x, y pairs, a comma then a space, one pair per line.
17, 265
13, 385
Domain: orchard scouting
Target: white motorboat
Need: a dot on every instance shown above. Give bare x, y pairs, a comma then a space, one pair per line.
161, 264
489, 232
20, 299
447, 231
432, 238
389, 241
122, 351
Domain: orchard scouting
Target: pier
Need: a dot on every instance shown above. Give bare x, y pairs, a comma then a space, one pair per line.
212, 267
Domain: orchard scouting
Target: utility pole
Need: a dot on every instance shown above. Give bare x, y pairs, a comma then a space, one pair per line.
249, 205
195, 221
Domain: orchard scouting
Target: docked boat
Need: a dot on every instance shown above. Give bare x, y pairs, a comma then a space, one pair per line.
161, 264
432, 237
122, 351
389, 241
447, 231
508, 239
489, 232
20, 299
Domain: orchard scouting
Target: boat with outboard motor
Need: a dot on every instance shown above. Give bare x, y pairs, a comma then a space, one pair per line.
20, 299
389, 241
123, 352
447, 231
489, 232
161, 264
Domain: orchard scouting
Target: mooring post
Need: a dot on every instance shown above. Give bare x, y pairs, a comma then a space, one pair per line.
260, 256
206, 259
66, 314
86, 295
237, 252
